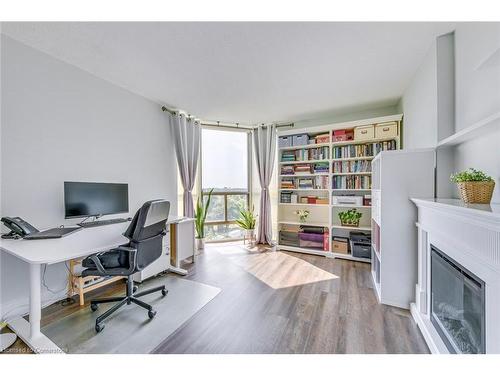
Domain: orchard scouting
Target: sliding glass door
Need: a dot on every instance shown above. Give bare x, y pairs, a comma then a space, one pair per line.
225, 156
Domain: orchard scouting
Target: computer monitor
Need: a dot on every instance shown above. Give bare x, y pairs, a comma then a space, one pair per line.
84, 199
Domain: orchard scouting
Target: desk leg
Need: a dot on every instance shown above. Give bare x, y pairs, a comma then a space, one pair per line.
175, 264
35, 301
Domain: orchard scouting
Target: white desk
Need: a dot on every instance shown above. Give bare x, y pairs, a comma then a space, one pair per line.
79, 244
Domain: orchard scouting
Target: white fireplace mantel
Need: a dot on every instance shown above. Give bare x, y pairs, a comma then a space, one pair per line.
469, 234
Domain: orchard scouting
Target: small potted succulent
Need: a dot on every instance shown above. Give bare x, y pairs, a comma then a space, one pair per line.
303, 214
474, 186
247, 222
200, 215
350, 218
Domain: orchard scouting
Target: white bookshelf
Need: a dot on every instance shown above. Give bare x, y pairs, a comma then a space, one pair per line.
326, 215
394, 237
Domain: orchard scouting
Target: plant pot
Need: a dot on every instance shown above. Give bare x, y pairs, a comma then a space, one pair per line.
200, 244
476, 191
353, 225
249, 233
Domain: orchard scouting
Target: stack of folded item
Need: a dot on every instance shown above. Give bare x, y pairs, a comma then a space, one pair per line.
287, 169
311, 237
302, 169
289, 238
287, 184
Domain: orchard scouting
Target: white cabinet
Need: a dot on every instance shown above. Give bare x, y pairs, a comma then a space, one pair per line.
398, 175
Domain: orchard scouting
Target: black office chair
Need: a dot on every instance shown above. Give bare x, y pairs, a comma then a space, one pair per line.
145, 233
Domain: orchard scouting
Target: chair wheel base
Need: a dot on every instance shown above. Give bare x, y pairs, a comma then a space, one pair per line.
151, 314
93, 307
99, 327
164, 292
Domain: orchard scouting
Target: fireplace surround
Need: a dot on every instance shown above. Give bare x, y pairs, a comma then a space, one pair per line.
457, 296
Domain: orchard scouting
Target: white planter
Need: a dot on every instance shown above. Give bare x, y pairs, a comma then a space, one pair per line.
200, 244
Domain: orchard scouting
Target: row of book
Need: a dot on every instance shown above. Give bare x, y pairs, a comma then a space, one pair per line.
351, 166
320, 153
351, 182
363, 150
317, 182
304, 169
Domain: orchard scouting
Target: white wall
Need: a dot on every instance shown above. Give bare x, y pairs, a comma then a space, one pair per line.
60, 123
477, 96
419, 104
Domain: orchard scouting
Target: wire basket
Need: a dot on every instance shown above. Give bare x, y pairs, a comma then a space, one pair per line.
476, 191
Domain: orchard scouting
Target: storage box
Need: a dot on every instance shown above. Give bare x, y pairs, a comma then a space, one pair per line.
361, 250
300, 140
322, 138
352, 200
364, 132
343, 135
340, 245
285, 141
386, 130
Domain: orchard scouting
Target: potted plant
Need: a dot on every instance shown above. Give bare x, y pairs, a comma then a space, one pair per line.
200, 215
303, 214
247, 222
350, 218
474, 186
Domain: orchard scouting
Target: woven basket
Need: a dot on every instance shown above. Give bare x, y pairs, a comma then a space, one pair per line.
476, 191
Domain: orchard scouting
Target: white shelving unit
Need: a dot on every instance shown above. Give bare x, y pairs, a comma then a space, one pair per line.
326, 215
394, 238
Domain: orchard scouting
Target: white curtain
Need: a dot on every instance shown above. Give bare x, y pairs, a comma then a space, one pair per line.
186, 131
264, 138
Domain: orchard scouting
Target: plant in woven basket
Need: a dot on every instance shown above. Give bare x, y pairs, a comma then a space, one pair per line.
350, 218
474, 186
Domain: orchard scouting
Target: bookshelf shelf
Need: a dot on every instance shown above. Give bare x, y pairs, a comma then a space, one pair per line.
303, 250
350, 257
305, 147
367, 229
356, 158
312, 224
305, 204
351, 173
281, 189
304, 175
305, 161
350, 206
364, 142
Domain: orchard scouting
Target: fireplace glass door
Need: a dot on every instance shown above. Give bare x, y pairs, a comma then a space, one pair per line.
457, 305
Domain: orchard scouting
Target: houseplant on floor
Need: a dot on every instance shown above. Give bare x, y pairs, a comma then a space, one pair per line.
246, 222
200, 215
350, 218
474, 186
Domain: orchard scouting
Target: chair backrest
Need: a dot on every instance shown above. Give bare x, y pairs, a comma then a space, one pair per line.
146, 231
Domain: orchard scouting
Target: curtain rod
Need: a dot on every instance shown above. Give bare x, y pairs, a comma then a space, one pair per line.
217, 124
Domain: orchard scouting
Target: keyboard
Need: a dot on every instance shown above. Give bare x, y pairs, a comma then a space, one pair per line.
98, 223
52, 233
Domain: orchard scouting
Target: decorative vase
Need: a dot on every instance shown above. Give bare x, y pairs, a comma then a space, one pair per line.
476, 191
250, 235
200, 244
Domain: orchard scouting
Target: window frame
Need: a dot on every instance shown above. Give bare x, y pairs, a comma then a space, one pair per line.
223, 192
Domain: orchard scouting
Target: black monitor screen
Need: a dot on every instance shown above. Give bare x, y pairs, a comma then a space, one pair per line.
94, 199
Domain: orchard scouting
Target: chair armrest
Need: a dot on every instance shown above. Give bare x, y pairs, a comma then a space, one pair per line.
98, 263
132, 253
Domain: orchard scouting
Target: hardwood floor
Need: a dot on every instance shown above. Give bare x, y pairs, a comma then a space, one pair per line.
279, 302
282, 302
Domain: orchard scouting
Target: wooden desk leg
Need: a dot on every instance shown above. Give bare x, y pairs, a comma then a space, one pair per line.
80, 291
175, 266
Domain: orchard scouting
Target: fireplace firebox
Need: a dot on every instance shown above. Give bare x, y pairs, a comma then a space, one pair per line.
457, 305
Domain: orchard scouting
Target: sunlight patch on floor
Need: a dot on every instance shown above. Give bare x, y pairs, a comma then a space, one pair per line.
277, 269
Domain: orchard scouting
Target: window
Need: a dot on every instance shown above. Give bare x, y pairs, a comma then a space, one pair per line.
224, 168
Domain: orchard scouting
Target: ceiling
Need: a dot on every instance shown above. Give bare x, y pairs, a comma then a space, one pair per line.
244, 72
